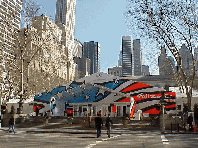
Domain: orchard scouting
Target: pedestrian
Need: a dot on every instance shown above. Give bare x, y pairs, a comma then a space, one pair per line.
37, 110
46, 117
89, 121
190, 120
11, 123
98, 123
108, 125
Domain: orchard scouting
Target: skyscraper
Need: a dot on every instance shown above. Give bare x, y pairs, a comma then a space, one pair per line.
10, 13
83, 65
186, 61
165, 68
65, 19
126, 56
136, 58
145, 70
120, 59
91, 50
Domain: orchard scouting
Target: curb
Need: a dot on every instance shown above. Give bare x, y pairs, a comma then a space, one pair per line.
68, 132
181, 133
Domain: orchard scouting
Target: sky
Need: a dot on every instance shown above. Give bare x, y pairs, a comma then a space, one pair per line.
101, 21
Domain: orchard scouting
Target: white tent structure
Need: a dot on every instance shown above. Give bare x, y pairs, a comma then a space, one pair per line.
181, 97
107, 94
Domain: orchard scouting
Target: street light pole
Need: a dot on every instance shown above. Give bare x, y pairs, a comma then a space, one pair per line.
20, 111
22, 91
163, 103
163, 126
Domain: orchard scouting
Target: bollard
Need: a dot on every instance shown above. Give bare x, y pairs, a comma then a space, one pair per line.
194, 128
177, 127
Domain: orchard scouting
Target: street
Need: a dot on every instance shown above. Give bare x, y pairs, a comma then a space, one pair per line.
142, 139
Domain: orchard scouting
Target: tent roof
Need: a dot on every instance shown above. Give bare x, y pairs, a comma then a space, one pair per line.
183, 94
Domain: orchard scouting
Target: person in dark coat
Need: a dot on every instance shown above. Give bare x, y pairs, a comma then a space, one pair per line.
190, 120
98, 123
46, 117
11, 123
37, 110
89, 120
108, 125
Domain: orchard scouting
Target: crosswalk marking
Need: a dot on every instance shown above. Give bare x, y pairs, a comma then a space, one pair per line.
96, 142
164, 140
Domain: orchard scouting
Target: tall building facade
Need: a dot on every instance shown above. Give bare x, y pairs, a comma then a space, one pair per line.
165, 68
136, 58
126, 56
120, 59
83, 65
77, 51
65, 19
145, 70
91, 50
45, 58
116, 71
10, 13
186, 57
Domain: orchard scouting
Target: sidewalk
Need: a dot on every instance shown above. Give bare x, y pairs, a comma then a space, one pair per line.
75, 129
84, 129
180, 132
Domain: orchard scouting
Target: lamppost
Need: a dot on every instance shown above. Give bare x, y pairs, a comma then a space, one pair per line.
163, 103
20, 111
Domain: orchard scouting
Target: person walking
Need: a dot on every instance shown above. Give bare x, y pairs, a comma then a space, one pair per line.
89, 120
37, 110
98, 123
46, 117
11, 123
108, 125
190, 120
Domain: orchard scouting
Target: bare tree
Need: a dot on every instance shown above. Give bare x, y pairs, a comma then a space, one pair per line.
36, 61
170, 23
30, 9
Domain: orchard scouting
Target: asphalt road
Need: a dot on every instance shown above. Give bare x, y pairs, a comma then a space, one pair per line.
135, 139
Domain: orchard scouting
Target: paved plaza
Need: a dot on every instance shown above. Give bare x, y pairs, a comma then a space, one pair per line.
73, 137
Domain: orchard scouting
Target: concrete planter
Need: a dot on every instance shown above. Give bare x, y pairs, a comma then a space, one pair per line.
19, 118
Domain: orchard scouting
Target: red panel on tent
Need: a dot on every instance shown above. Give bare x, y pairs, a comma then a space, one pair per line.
173, 94
152, 111
170, 106
146, 96
114, 108
135, 86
